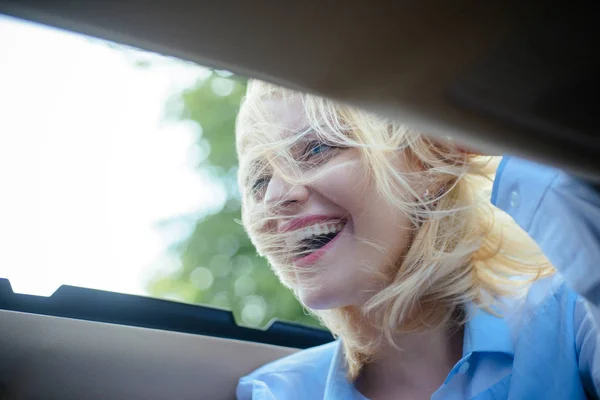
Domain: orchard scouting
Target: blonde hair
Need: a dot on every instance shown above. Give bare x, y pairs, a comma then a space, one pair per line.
463, 249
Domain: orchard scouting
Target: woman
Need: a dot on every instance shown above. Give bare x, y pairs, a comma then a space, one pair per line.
390, 239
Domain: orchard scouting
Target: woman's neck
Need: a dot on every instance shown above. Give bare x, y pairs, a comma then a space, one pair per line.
415, 371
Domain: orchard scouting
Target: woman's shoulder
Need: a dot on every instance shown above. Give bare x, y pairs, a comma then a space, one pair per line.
550, 289
547, 299
299, 374
309, 360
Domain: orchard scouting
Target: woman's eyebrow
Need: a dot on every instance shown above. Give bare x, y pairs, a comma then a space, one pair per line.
312, 130
305, 136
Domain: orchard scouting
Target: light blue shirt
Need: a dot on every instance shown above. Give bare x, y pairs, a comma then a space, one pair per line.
544, 348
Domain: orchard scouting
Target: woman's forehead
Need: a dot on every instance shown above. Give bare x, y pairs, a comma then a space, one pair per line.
275, 123
280, 120
287, 114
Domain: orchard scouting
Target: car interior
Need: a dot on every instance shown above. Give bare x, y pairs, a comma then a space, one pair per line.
507, 77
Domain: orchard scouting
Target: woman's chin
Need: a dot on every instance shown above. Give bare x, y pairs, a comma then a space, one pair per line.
319, 299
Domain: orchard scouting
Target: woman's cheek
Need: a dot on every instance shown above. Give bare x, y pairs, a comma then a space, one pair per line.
344, 179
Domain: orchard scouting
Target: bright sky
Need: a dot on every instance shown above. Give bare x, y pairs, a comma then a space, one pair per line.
88, 166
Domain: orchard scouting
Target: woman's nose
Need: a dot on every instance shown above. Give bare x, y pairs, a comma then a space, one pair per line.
282, 196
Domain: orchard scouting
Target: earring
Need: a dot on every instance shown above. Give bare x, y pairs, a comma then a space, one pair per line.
427, 195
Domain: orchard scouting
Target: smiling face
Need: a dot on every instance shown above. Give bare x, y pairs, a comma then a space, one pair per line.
340, 240
335, 197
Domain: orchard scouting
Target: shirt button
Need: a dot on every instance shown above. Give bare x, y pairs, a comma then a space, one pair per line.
463, 368
515, 199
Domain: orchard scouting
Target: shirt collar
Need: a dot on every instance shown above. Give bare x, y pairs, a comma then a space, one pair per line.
486, 333
337, 385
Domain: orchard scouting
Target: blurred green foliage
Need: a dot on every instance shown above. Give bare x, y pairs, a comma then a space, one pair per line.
218, 264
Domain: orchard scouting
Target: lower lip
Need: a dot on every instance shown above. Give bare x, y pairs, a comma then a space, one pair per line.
317, 254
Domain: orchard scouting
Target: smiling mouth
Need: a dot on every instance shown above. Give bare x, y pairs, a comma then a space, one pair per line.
316, 237
308, 246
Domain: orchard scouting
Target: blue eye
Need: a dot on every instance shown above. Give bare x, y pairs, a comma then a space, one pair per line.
316, 152
319, 149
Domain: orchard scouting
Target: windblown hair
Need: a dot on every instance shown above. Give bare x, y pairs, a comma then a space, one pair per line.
463, 249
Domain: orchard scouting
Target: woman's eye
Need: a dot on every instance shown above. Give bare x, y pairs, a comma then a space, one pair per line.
316, 148
260, 185
319, 148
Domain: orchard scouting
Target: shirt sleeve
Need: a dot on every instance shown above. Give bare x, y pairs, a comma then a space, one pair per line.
562, 214
586, 345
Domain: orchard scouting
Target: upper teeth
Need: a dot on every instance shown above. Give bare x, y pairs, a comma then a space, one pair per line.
313, 230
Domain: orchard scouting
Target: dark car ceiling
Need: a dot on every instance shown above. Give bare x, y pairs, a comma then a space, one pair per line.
515, 77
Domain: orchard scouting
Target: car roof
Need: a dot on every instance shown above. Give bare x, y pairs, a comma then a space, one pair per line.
506, 76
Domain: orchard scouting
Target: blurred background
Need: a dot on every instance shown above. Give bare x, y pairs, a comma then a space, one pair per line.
118, 172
